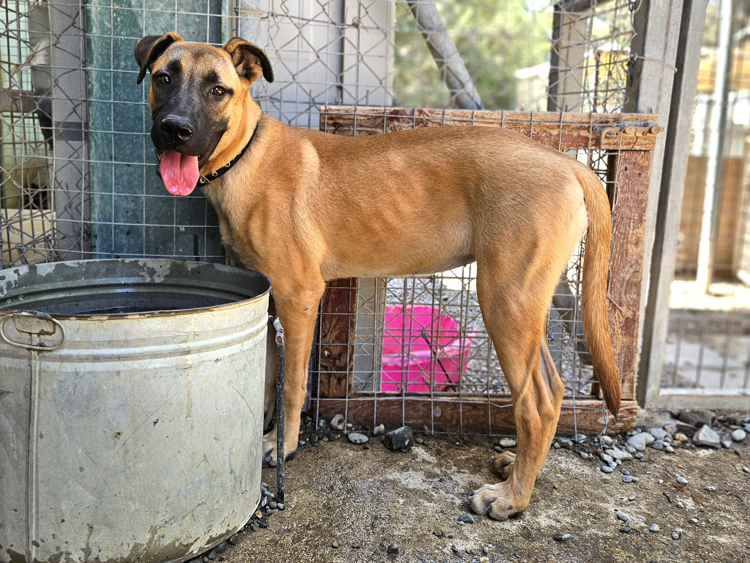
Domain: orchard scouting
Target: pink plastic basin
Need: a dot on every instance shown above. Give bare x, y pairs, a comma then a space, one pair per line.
407, 356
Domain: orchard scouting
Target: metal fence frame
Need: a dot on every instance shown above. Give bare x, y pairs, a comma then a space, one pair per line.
652, 389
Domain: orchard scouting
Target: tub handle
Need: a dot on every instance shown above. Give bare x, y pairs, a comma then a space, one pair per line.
36, 324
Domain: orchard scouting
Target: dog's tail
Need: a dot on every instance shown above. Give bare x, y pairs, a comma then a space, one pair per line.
594, 288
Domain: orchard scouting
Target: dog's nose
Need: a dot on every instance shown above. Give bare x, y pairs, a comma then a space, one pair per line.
175, 128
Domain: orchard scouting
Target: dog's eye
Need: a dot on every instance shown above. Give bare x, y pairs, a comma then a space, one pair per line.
162, 79
218, 91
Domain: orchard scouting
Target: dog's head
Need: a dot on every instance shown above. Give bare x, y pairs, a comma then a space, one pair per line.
198, 97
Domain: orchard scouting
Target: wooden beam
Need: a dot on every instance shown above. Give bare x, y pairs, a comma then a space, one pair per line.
630, 199
561, 131
469, 413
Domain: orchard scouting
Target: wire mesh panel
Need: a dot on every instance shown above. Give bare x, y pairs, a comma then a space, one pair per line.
708, 342
417, 349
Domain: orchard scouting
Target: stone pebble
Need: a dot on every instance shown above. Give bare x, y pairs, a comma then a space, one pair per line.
739, 435
357, 438
337, 422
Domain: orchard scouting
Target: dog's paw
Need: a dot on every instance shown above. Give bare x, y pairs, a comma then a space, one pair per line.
503, 465
270, 455
496, 502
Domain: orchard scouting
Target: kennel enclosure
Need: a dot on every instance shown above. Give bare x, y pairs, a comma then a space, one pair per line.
78, 171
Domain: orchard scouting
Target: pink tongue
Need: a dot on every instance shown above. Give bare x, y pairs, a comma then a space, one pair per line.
179, 172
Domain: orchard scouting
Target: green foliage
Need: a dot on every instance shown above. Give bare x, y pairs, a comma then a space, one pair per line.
494, 39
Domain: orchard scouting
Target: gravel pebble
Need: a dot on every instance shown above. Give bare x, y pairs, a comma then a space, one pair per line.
606, 469
658, 433
640, 441
378, 430
561, 537
639, 455
738, 435
337, 422
680, 505
658, 445
746, 469
625, 529
726, 444
335, 545
606, 440
393, 548
628, 479
466, 518
401, 438
676, 535
710, 488
653, 528
507, 443
622, 516
357, 438
584, 455
606, 457
682, 480
619, 454
565, 443
669, 449
705, 436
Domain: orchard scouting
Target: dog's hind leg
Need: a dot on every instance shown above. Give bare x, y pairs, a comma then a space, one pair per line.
502, 465
514, 298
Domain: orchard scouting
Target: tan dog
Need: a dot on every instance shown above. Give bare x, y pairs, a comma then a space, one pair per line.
305, 207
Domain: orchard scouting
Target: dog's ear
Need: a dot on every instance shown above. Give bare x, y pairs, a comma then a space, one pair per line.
150, 48
249, 60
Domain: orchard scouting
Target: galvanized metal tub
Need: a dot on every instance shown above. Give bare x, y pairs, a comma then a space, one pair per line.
131, 408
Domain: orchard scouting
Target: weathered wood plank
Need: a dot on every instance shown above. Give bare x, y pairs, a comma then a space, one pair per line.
469, 413
561, 131
337, 324
629, 201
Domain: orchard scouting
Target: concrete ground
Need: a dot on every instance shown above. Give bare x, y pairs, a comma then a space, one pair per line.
350, 503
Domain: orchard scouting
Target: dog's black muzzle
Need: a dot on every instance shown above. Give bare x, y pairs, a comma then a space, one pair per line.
174, 132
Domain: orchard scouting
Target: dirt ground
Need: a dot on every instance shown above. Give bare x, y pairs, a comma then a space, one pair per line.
349, 503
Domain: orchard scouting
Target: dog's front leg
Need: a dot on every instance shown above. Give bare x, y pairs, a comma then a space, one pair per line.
297, 308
